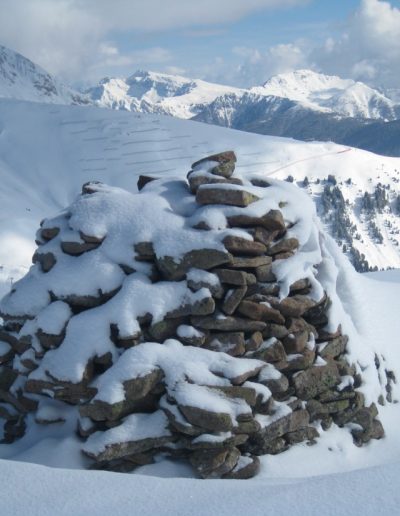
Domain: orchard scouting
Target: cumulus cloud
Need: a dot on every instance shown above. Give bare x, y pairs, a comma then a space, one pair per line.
367, 49
253, 66
69, 37
258, 66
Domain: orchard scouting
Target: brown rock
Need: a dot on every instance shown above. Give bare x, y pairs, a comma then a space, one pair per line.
227, 324
143, 181
247, 467
135, 390
273, 220
231, 343
261, 183
232, 299
144, 251
277, 383
296, 342
233, 277
77, 248
232, 196
91, 239
46, 260
333, 348
284, 246
48, 341
264, 274
299, 361
49, 233
214, 464
205, 306
196, 180
271, 351
275, 330
91, 187
309, 433
254, 342
263, 235
316, 380
243, 246
283, 256
239, 262
220, 158
260, 312
294, 306
198, 258
202, 418
213, 286
262, 442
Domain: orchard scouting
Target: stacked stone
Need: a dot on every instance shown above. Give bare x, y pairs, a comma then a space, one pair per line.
293, 372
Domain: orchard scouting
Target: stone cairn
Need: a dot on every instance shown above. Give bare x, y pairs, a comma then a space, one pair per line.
275, 375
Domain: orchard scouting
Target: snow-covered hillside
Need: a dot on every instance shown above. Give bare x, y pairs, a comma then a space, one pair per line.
47, 152
22, 79
151, 92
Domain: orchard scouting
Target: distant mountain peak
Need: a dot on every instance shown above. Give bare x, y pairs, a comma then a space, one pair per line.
330, 94
156, 92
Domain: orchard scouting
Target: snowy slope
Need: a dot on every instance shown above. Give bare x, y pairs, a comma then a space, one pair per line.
64, 492
47, 153
330, 94
151, 92
22, 79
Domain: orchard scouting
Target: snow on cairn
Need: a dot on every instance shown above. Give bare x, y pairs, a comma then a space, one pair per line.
198, 320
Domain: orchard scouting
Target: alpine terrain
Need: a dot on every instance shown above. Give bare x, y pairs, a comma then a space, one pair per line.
177, 299
303, 104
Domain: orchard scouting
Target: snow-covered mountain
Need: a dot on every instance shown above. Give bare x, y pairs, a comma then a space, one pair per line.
151, 92
22, 79
303, 104
182, 97
330, 94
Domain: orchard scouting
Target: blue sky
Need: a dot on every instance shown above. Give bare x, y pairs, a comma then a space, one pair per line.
238, 42
195, 47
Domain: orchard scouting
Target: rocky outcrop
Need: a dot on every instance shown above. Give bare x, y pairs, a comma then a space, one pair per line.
209, 355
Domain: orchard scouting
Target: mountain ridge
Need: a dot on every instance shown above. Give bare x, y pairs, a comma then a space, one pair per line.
21, 78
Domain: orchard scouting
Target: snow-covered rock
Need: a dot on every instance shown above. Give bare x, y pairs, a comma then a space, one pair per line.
98, 330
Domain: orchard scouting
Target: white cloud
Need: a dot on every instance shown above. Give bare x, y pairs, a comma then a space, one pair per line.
257, 66
367, 49
69, 37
